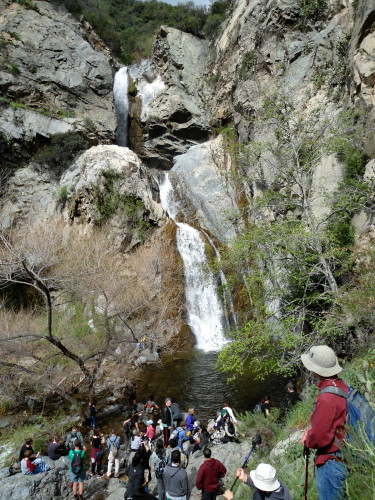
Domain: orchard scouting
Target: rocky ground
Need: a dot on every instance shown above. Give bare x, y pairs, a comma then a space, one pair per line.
54, 484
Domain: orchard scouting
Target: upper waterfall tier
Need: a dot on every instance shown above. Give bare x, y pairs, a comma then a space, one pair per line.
120, 92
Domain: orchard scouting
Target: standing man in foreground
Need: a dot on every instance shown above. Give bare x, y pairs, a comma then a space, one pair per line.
175, 479
327, 429
208, 476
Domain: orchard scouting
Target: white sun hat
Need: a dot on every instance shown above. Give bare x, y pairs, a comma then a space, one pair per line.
264, 478
322, 360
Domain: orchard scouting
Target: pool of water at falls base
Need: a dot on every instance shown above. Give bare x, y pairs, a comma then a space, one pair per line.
192, 379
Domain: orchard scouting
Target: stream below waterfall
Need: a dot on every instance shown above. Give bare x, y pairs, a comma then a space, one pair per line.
191, 378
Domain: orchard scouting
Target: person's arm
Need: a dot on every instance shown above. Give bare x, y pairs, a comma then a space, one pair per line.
228, 494
199, 479
67, 440
222, 470
145, 477
231, 414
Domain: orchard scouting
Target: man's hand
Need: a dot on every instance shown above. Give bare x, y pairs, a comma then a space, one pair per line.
241, 475
304, 437
228, 495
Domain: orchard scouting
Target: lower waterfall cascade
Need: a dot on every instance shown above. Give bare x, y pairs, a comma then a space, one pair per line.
204, 310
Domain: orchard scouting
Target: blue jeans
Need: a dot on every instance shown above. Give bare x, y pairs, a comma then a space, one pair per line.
41, 466
330, 480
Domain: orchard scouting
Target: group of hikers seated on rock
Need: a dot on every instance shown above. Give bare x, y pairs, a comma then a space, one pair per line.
164, 446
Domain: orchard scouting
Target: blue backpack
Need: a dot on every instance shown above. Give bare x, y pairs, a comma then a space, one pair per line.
359, 412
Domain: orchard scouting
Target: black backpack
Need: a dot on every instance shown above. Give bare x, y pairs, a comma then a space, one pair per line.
77, 462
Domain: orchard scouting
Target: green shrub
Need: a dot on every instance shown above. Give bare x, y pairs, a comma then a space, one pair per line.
248, 64
62, 195
132, 90
14, 69
59, 154
129, 27
28, 4
355, 161
212, 25
312, 8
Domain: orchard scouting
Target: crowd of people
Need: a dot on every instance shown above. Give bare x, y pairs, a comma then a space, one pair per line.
163, 446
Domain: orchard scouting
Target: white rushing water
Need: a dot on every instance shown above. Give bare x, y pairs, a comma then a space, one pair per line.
120, 93
204, 309
223, 279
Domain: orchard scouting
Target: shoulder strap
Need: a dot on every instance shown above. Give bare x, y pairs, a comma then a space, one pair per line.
334, 390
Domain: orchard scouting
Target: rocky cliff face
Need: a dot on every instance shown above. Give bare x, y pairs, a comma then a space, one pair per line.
54, 77
175, 117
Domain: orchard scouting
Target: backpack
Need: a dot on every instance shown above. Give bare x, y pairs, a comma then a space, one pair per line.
77, 462
224, 413
257, 408
160, 467
72, 439
114, 448
358, 409
149, 407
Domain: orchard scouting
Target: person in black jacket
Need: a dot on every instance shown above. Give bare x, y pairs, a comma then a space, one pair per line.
28, 445
167, 420
292, 397
138, 477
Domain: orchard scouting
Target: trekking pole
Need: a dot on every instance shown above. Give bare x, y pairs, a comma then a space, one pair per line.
306, 454
255, 441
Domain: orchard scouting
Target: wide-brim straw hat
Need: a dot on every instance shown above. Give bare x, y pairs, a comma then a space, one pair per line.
322, 360
264, 478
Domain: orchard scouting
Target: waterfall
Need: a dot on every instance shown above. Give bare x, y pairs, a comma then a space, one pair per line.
120, 92
227, 295
204, 310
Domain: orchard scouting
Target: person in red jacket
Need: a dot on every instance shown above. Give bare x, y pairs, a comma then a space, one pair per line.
327, 429
208, 476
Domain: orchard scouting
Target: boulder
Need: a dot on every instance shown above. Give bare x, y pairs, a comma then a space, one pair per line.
204, 195
87, 176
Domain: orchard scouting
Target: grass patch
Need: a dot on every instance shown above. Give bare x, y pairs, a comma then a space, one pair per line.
41, 430
52, 113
